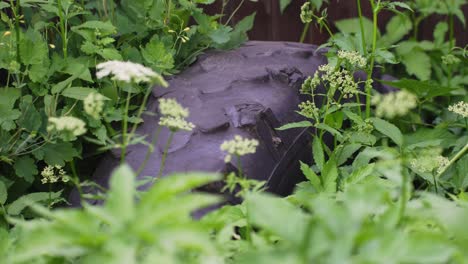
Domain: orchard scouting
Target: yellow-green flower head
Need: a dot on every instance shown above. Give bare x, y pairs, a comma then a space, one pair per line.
450, 59
310, 84
239, 146
68, 127
176, 123
128, 72
94, 104
429, 161
170, 107
306, 13
353, 58
340, 79
52, 174
394, 104
460, 108
309, 109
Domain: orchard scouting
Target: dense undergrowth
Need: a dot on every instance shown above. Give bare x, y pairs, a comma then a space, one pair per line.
390, 187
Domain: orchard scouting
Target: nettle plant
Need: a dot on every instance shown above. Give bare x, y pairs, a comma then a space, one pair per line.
55, 111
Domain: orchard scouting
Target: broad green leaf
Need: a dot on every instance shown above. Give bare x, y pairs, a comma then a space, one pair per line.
360, 174
330, 129
330, 176
157, 55
121, 196
220, 35
346, 152
25, 167
319, 155
301, 124
16, 207
418, 63
311, 176
239, 34
440, 32
79, 93
56, 154
397, 28
352, 26
423, 89
33, 48
389, 130
278, 216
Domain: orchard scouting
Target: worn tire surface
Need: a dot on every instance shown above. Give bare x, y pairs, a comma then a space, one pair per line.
249, 92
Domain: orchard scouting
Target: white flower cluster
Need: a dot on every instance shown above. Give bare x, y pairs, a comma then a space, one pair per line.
310, 84
394, 104
309, 109
68, 126
353, 58
427, 163
239, 146
340, 79
128, 72
52, 174
460, 108
173, 115
306, 13
94, 104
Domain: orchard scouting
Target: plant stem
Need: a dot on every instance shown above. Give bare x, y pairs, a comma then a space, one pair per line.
452, 45
124, 130
375, 12
166, 150
15, 9
148, 152
404, 193
304, 32
76, 179
361, 24
234, 12
63, 29
453, 160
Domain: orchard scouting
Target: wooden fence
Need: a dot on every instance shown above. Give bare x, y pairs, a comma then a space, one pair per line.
270, 24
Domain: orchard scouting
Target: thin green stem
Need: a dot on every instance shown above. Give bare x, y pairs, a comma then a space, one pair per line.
453, 160
16, 9
164, 156
361, 24
375, 13
234, 12
452, 45
149, 151
404, 193
63, 29
304, 32
124, 130
76, 179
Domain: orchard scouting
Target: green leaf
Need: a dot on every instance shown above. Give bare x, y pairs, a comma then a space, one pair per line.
360, 174
25, 167
397, 28
330, 129
418, 63
423, 89
352, 26
317, 150
79, 93
440, 33
239, 34
284, 4
346, 152
3, 193
311, 176
121, 196
301, 124
330, 176
16, 207
33, 48
277, 216
220, 35
389, 130
157, 56
56, 154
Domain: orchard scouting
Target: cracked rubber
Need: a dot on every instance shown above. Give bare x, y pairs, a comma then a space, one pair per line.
249, 92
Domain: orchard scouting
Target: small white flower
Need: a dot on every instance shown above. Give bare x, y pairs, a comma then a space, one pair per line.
68, 126
170, 107
94, 104
176, 123
306, 13
442, 163
239, 147
460, 108
394, 104
128, 72
353, 58
52, 174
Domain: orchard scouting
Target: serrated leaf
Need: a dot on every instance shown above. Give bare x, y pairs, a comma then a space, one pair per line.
319, 155
25, 167
418, 63
284, 4
121, 196
389, 130
311, 176
329, 176
397, 28
56, 154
